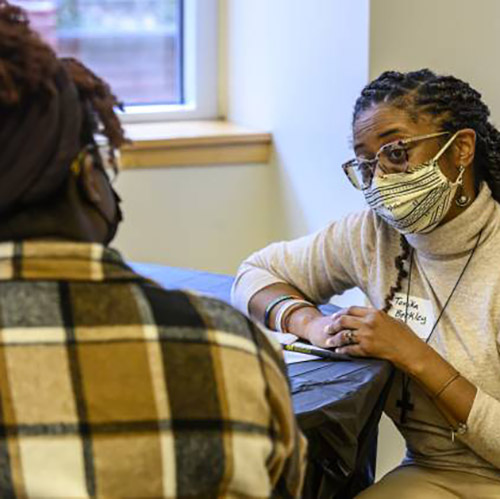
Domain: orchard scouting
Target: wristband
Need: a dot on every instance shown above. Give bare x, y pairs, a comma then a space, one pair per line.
285, 312
270, 307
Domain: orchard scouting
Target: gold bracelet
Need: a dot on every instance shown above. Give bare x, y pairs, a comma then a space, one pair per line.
278, 320
446, 385
283, 322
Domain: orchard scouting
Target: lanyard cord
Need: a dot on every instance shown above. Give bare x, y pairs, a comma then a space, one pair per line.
454, 287
405, 393
406, 379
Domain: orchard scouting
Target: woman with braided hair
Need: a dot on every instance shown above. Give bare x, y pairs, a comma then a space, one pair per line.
425, 254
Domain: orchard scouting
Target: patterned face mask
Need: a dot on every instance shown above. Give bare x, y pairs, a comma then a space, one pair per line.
414, 201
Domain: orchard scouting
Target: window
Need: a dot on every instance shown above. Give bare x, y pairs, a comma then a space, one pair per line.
154, 53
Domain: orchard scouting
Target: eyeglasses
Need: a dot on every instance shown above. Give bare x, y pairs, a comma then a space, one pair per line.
391, 158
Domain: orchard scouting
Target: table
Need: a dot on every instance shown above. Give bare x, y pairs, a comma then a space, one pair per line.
338, 404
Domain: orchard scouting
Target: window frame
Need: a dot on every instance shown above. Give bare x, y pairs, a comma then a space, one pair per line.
199, 70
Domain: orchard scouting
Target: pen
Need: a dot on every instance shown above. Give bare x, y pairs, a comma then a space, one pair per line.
326, 354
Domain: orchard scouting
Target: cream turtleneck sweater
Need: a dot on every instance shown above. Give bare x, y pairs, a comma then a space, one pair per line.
360, 251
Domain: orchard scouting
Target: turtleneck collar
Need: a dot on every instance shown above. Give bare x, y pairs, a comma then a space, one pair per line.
459, 236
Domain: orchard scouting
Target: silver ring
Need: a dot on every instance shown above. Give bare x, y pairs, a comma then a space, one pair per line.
350, 336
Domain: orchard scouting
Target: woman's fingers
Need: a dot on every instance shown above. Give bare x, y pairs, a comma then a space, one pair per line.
354, 350
342, 338
346, 336
338, 339
354, 310
330, 329
341, 322
323, 329
358, 311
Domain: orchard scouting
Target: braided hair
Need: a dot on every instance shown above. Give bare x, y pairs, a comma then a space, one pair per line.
28, 66
455, 105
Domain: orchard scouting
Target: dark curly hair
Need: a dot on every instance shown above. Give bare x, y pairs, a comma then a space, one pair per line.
28, 66
455, 105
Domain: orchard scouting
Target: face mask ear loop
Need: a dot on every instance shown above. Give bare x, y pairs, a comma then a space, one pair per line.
443, 149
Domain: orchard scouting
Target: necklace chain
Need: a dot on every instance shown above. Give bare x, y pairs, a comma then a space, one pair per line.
406, 379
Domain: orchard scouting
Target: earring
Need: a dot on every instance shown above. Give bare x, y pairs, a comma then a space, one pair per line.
462, 200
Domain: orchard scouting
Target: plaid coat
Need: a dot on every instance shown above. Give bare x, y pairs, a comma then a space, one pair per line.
113, 387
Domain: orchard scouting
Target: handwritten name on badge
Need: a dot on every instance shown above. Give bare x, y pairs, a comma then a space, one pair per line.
419, 315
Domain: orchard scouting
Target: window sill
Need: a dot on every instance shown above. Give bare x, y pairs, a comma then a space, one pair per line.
188, 143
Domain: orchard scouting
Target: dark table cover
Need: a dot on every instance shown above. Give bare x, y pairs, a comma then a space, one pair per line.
338, 404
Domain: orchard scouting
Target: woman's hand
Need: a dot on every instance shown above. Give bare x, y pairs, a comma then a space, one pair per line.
318, 330
367, 332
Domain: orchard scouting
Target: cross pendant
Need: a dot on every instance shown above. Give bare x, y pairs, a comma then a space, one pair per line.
405, 403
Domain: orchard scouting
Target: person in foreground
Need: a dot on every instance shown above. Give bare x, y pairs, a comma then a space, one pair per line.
109, 385
426, 256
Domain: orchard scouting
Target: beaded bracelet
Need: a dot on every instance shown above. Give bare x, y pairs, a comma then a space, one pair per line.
285, 312
286, 318
270, 307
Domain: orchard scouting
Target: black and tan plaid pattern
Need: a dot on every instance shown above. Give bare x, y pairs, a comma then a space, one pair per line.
113, 387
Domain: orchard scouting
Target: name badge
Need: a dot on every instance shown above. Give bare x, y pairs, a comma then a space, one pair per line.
419, 314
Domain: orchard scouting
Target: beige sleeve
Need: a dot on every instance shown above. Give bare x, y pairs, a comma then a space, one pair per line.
483, 433
483, 428
320, 265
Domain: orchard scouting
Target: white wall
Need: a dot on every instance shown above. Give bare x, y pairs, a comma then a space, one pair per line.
296, 71
207, 217
287, 68
295, 68
458, 37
